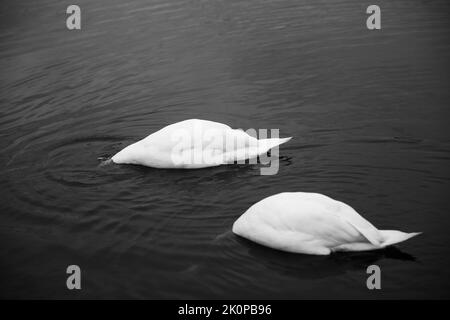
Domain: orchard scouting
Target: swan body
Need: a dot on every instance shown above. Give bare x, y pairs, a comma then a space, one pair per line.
312, 223
194, 144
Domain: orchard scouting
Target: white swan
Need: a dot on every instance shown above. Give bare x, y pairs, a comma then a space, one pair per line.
195, 144
312, 223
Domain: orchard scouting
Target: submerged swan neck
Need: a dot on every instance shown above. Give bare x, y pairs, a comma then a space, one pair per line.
129, 154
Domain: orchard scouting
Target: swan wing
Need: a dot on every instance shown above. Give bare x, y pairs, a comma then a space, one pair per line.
368, 230
315, 205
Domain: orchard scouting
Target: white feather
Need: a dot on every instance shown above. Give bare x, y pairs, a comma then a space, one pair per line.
195, 144
311, 223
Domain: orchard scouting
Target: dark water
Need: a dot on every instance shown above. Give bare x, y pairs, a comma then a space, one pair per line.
368, 111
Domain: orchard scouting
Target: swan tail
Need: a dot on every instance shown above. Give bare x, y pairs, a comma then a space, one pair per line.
393, 236
265, 145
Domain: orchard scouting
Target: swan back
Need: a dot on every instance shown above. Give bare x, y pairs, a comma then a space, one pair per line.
195, 143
